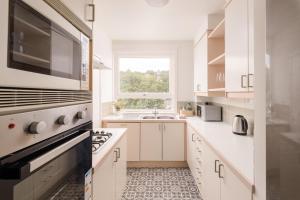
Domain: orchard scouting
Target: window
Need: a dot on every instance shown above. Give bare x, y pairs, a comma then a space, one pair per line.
145, 83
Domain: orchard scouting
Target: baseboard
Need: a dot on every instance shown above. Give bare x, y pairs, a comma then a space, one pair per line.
157, 164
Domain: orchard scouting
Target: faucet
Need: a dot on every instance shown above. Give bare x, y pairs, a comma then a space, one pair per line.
155, 112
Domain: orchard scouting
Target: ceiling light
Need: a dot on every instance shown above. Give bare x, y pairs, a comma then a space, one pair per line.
157, 3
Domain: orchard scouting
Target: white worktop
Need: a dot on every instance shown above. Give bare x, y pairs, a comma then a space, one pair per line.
117, 134
237, 151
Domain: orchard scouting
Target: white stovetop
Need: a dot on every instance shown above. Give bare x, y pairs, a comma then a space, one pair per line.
237, 150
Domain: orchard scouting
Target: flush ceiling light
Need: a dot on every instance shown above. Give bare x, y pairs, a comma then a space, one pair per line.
157, 3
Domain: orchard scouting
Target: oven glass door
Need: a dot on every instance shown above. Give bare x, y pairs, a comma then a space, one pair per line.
38, 45
60, 171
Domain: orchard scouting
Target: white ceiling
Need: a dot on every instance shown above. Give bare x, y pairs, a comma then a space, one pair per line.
136, 20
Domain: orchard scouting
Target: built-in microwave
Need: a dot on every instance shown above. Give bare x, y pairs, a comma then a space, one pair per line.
41, 49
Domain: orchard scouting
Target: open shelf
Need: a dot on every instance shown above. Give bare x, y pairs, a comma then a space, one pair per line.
220, 60
219, 31
216, 90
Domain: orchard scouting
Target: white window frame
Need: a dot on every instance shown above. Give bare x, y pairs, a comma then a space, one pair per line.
172, 80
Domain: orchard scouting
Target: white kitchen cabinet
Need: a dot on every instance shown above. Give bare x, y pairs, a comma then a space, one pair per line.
151, 142
231, 186
102, 44
120, 168
219, 181
103, 179
162, 141
109, 179
238, 73
82, 9
133, 138
200, 65
211, 187
173, 141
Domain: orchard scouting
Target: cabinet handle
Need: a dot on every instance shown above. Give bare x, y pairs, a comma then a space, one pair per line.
116, 156
118, 152
93, 14
216, 163
164, 127
242, 81
249, 85
193, 137
220, 167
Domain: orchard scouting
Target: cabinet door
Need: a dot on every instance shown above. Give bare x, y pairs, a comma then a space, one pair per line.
103, 179
80, 8
173, 141
133, 138
151, 142
200, 65
190, 148
211, 181
102, 44
231, 186
120, 168
236, 46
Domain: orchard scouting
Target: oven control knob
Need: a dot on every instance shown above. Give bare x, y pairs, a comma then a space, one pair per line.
81, 115
63, 120
37, 127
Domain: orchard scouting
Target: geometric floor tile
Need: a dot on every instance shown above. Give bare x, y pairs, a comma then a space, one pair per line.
160, 184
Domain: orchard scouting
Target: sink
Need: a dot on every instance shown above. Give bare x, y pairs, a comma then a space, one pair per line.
165, 117
158, 117
148, 117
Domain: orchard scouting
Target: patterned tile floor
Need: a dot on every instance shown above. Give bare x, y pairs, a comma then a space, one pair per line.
160, 184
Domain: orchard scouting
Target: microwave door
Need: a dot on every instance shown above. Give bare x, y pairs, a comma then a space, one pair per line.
65, 56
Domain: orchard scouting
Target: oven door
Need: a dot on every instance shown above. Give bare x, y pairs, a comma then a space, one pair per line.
43, 50
58, 168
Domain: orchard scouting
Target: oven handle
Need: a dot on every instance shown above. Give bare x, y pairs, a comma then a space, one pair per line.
40, 161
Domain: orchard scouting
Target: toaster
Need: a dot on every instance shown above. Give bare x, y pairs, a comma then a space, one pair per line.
209, 112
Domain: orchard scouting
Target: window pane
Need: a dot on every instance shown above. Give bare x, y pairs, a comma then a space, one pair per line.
144, 75
145, 103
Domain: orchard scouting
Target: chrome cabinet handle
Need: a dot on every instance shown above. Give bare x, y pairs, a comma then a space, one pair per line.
118, 152
116, 156
93, 14
242, 81
193, 137
164, 125
249, 85
216, 163
220, 167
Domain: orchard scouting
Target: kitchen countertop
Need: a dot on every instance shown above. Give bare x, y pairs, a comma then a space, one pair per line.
135, 118
99, 156
237, 151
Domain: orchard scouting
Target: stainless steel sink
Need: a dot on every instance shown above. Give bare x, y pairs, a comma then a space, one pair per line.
148, 117
165, 117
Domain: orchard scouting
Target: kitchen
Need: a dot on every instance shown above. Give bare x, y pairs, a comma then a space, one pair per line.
149, 99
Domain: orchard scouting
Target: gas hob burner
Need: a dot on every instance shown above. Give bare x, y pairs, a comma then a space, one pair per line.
99, 138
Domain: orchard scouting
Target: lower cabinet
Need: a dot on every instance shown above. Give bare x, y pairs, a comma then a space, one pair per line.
133, 138
109, 179
214, 178
162, 141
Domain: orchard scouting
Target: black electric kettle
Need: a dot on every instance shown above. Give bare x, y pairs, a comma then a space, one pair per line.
239, 125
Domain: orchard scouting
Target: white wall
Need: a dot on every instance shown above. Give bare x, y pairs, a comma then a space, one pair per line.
106, 85
184, 52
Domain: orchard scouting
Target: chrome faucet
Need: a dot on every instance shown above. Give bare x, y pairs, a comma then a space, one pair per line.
155, 112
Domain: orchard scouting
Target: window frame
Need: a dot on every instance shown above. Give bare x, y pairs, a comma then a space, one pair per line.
171, 95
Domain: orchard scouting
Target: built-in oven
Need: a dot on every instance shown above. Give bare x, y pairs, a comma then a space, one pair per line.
42, 51
47, 154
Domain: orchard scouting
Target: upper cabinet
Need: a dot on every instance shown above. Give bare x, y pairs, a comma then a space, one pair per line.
102, 44
84, 9
200, 65
239, 72
223, 57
